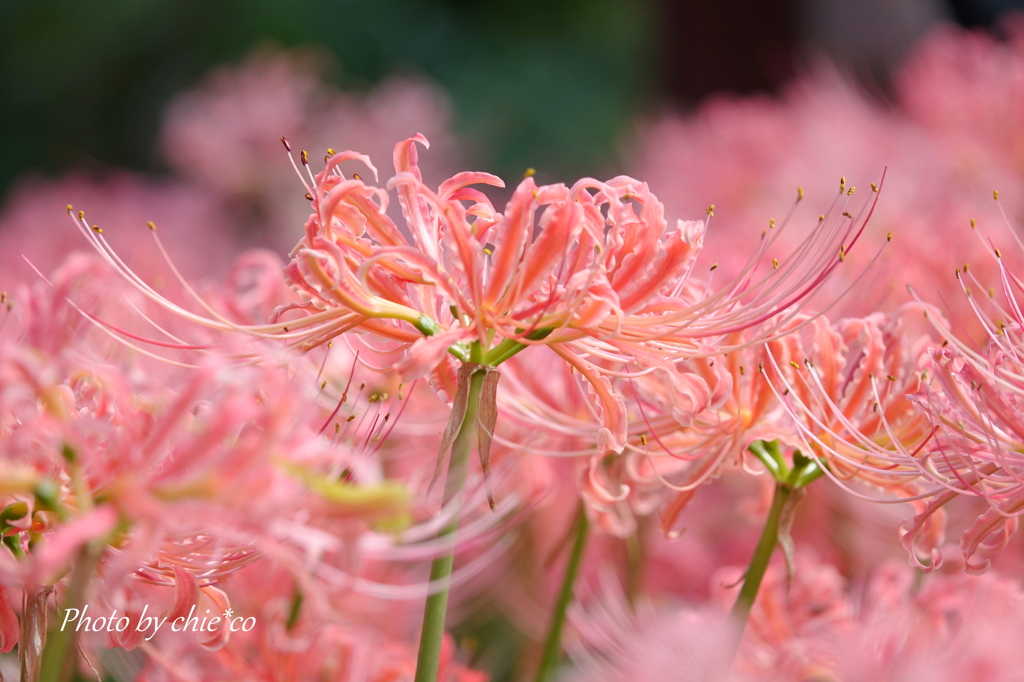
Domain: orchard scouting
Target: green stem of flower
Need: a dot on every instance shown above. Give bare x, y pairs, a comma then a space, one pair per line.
805, 471
552, 653
61, 652
429, 657
759, 563
509, 347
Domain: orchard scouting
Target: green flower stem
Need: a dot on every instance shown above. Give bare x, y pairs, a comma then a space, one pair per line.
509, 347
429, 656
787, 481
553, 643
762, 555
60, 655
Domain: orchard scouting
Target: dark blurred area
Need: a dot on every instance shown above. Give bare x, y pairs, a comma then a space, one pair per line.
549, 84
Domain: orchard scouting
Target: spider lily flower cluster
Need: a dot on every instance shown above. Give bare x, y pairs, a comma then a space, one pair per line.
592, 271
274, 445
653, 417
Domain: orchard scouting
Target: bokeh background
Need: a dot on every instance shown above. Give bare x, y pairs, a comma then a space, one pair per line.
552, 84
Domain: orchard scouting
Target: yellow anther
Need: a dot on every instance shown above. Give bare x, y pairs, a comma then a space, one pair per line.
973, 224
821, 218
842, 184
851, 191
70, 209
775, 263
995, 194
888, 237
309, 197
97, 228
967, 266
350, 418
81, 215
874, 187
357, 176
643, 439
305, 157
891, 377
151, 225
760, 367
529, 172
799, 193
330, 151
846, 213
991, 292
710, 210
793, 362
287, 146
323, 384
330, 343
376, 397
337, 427
713, 267
771, 223
743, 372
998, 254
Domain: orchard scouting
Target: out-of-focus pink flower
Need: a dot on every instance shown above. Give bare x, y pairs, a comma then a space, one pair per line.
749, 156
952, 628
224, 134
812, 626
8, 623
167, 475
300, 639
618, 643
34, 226
964, 87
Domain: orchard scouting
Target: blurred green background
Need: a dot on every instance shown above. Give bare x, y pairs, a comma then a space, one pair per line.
551, 84
544, 84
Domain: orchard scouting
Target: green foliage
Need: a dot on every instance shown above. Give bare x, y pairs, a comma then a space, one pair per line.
542, 84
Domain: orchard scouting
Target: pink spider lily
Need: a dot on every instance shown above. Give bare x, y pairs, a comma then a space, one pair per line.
959, 434
847, 398
193, 475
589, 269
159, 488
974, 407
592, 271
